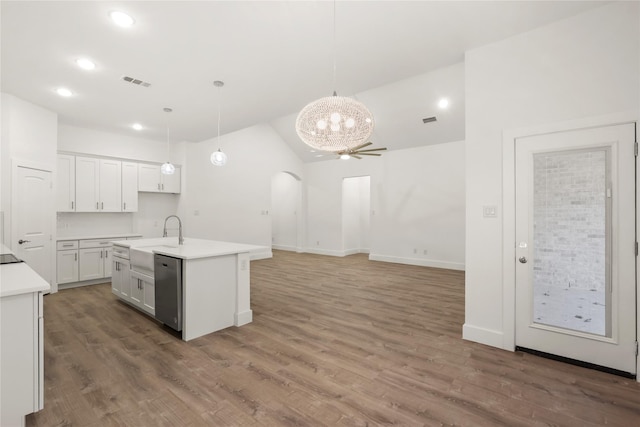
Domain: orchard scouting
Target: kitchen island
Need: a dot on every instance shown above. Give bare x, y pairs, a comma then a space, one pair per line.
214, 276
21, 336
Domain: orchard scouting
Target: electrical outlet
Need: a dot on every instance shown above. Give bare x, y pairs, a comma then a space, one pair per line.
424, 252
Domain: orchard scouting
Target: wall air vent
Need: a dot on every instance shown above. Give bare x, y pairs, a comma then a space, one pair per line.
134, 81
429, 119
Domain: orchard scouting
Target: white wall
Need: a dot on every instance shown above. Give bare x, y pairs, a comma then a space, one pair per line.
153, 208
356, 212
29, 133
229, 202
417, 202
580, 67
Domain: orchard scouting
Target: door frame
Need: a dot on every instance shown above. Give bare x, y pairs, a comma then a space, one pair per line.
29, 164
509, 137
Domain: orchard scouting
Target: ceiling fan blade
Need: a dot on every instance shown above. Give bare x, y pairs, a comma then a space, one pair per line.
356, 156
372, 149
367, 154
357, 147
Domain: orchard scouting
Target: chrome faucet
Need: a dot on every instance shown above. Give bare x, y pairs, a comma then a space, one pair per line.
164, 233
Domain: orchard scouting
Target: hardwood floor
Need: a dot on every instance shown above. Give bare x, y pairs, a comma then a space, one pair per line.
334, 341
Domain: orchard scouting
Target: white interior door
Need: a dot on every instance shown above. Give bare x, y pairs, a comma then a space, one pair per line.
33, 196
575, 245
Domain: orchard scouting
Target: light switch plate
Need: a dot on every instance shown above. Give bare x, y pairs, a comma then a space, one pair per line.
490, 211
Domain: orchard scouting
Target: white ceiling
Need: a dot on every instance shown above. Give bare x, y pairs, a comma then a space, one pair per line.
274, 57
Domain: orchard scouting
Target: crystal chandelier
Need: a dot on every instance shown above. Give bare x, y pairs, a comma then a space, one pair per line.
334, 123
168, 168
218, 158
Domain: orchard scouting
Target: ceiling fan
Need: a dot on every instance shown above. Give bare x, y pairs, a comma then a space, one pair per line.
358, 151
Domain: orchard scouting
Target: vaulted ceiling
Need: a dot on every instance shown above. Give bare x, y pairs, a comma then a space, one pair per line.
274, 57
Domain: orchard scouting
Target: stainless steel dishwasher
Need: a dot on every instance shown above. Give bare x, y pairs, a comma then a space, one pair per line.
168, 281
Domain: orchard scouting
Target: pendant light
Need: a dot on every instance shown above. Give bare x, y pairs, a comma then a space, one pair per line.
334, 123
168, 168
218, 158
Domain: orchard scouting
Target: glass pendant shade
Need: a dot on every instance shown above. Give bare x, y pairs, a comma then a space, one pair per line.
218, 158
334, 123
167, 168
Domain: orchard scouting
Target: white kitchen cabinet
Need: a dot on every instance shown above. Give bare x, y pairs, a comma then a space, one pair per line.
120, 277
143, 292
150, 179
67, 266
129, 187
66, 183
95, 259
98, 185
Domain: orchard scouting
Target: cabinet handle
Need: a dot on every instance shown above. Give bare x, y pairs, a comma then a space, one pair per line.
100, 254
71, 204
75, 256
158, 186
97, 205
102, 206
125, 206
67, 245
163, 186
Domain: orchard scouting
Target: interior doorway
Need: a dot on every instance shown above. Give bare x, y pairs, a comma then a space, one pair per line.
286, 212
356, 214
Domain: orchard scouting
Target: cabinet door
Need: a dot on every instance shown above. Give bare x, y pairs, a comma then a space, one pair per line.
110, 184
149, 295
171, 183
67, 266
120, 277
107, 252
91, 263
66, 183
129, 187
87, 184
136, 291
148, 178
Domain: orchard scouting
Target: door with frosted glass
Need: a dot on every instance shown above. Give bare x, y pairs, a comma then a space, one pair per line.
575, 245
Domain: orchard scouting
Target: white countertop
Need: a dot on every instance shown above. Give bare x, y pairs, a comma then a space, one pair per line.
98, 236
191, 249
19, 278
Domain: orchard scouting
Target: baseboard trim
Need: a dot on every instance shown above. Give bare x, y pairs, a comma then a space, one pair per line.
243, 318
485, 336
262, 254
325, 252
421, 262
285, 248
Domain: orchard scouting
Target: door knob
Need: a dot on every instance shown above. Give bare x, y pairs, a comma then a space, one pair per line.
23, 241
522, 260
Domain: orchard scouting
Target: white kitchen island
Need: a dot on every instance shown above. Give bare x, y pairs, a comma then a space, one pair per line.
21, 341
215, 280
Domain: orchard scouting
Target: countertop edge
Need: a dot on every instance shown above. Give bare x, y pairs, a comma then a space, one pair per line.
98, 236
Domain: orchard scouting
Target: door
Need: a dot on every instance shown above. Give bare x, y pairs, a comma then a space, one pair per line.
87, 184
67, 263
110, 185
91, 264
575, 244
129, 187
66, 183
33, 195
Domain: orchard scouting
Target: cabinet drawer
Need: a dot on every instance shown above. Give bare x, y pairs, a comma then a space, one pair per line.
95, 243
67, 244
120, 251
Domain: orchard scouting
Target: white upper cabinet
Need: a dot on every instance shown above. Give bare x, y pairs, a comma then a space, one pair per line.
66, 183
129, 187
150, 179
98, 185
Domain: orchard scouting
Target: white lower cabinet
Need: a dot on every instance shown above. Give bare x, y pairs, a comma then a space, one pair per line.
67, 266
120, 277
91, 264
143, 293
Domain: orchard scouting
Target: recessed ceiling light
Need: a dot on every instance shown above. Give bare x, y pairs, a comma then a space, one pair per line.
443, 103
85, 63
121, 19
63, 91
137, 126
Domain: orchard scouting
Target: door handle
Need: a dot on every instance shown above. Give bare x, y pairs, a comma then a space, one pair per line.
523, 260
23, 241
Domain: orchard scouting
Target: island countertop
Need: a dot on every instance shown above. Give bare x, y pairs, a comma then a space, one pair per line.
191, 249
19, 278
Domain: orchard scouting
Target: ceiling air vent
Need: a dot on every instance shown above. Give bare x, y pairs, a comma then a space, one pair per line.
429, 119
134, 81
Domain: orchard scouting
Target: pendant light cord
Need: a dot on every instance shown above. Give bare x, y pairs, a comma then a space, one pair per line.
219, 108
334, 48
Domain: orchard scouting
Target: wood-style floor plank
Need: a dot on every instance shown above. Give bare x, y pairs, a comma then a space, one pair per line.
334, 341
